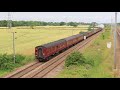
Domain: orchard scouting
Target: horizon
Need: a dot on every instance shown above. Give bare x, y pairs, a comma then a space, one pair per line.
86, 17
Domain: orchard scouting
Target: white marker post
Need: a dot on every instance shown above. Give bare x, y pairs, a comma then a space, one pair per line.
84, 37
109, 45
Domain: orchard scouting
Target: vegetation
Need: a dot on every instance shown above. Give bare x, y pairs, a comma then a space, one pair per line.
3, 23
7, 62
92, 26
97, 60
76, 58
107, 27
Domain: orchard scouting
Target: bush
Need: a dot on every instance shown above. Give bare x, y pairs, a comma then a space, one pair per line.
19, 58
6, 61
75, 58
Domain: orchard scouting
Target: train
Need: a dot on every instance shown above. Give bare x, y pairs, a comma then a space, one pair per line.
46, 51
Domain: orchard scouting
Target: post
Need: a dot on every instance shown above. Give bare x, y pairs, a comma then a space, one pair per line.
9, 21
111, 26
14, 45
72, 31
115, 40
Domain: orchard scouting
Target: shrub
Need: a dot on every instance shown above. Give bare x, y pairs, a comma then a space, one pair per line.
6, 61
19, 58
75, 58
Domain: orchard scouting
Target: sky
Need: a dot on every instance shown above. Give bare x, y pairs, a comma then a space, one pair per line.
99, 17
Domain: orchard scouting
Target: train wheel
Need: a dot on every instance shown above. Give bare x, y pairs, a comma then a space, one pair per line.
56, 53
47, 59
41, 60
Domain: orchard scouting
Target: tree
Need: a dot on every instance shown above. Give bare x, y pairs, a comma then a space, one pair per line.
92, 26
62, 23
3, 23
74, 24
89, 28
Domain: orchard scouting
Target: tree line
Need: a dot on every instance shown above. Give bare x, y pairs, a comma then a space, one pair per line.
4, 23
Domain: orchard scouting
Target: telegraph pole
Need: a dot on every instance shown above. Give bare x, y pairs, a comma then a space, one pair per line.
115, 40
14, 45
9, 25
9, 21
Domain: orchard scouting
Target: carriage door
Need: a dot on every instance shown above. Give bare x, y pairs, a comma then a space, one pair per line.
40, 52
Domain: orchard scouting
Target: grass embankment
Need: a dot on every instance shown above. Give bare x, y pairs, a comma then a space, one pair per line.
7, 62
96, 61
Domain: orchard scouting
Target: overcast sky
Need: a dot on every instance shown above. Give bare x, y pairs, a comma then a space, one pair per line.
99, 17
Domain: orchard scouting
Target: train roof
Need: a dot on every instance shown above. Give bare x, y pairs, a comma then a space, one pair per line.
77, 35
53, 43
59, 41
85, 33
69, 38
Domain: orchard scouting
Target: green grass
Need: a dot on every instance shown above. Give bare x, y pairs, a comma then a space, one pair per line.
4, 72
7, 63
28, 38
100, 58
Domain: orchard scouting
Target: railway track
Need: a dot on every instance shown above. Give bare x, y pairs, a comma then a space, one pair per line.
79, 47
23, 70
40, 70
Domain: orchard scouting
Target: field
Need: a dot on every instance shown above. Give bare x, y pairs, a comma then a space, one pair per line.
27, 38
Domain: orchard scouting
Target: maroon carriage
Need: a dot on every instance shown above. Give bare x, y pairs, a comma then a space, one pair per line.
46, 50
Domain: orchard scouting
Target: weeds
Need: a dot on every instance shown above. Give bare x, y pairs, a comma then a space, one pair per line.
7, 63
